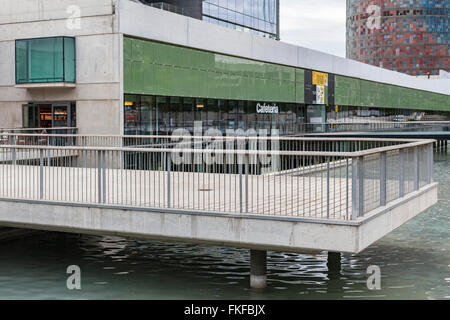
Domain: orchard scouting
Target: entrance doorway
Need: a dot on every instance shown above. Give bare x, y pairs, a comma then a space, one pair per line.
49, 115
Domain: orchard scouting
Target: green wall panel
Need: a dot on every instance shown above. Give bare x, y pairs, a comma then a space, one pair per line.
160, 69
186, 72
347, 91
356, 92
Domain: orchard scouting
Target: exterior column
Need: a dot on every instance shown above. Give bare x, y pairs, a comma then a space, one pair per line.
334, 263
258, 269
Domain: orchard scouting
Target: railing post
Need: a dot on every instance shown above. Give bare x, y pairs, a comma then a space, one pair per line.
328, 187
246, 182
240, 165
41, 174
169, 165
430, 163
99, 176
401, 182
416, 168
383, 179
357, 187
13, 151
354, 188
104, 175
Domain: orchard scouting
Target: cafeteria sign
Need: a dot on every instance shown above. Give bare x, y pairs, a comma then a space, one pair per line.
265, 108
320, 79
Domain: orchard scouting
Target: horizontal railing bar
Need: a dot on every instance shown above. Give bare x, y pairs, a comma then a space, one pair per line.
40, 129
221, 151
285, 138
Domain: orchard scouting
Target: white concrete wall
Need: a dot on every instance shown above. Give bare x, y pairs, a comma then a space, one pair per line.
98, 60
151, 23
242, 231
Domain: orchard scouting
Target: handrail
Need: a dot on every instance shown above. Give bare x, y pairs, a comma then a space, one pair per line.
411, 143
343, 185
239, 137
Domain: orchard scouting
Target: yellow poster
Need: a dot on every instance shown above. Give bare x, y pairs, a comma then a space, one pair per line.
320, 79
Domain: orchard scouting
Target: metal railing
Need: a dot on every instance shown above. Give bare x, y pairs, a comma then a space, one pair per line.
169, 141
57, 136
372, 126
339, 179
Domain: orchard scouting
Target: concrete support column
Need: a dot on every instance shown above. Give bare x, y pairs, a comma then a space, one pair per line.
334, 263
258, 269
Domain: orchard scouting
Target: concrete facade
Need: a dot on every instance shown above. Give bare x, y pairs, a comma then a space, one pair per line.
98, 56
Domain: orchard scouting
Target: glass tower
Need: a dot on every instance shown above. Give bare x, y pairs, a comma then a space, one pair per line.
259, 17
255, 16
409, 36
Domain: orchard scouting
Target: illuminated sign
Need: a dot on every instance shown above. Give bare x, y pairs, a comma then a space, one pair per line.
266, 108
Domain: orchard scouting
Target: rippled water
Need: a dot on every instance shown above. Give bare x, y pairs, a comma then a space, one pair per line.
414, 262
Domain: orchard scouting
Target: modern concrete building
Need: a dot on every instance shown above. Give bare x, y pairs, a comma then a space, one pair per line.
122, 67
409, 36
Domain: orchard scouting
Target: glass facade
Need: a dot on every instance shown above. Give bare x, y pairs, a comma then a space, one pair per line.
161, 115
353, 114
255, 16
147, 115
45, 60
260, 17
49, 115
409, 36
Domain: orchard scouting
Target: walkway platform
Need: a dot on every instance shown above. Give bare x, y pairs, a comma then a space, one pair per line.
342, 196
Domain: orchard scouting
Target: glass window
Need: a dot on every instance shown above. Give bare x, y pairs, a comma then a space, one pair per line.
175, 114
232, 4
69, 60
223, 3
45, 60
248, 7
223, 13
214, 11
239, 18
147, 116
206, 8
188, 113
73, 114
131, 114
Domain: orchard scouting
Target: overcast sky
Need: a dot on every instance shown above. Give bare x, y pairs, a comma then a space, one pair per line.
314, 24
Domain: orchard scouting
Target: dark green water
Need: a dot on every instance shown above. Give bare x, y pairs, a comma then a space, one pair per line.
414, 262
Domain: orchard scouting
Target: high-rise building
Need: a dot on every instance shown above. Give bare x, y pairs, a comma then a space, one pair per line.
255, 16
409, 36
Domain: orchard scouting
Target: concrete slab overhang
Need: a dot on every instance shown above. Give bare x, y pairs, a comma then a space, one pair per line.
289, 234
46, 85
